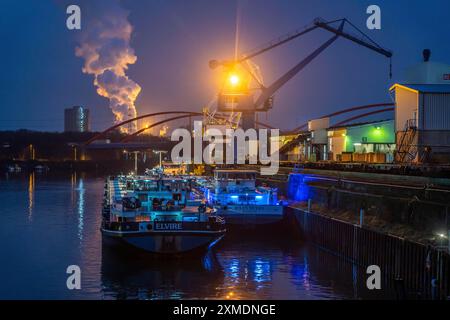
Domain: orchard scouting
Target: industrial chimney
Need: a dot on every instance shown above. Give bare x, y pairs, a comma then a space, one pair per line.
426, 55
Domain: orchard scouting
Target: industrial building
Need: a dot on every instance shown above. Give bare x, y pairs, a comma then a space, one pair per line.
76, 119
420, 132
422, 113
292, 146
372, 142
317, 144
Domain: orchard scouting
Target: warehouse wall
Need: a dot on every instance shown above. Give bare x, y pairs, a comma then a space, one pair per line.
406, 104
436, 113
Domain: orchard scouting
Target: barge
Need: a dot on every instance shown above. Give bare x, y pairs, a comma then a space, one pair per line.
237, 198
158, 215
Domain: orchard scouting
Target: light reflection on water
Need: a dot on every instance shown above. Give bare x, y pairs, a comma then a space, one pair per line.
52, 222
30, 195
80, 206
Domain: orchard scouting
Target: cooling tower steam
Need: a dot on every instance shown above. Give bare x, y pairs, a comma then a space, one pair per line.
105, 47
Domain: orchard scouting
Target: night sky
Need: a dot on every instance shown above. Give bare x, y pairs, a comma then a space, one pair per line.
174, 40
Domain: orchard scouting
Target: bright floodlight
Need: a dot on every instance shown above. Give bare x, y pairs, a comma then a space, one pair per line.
234, 79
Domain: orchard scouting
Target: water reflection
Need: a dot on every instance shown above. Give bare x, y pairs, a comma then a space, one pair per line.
127, 275
250, 268
262, 271
305, 274
30, 196
355, 280
243, 266
73, 183
80, 206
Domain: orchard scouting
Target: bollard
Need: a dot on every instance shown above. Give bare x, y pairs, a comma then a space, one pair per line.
361, 217
309, 204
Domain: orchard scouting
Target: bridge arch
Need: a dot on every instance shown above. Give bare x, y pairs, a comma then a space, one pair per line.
129, 137
102, 134
186, 114
194, 114
362, 116
368, 106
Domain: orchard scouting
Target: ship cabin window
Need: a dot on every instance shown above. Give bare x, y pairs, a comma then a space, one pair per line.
246, 198
235, 175
145, 186
175, 185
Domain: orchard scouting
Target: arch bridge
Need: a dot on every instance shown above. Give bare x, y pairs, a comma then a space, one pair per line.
127, 142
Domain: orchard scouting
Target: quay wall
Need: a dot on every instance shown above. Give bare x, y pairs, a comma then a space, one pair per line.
410, 270
416, 208
392, 221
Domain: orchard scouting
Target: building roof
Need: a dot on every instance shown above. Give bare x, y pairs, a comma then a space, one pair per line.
358, 124
425, 88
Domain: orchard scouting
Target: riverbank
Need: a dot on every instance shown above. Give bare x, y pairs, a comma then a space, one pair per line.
105, 167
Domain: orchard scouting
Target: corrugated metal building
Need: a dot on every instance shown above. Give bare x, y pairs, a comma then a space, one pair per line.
422, 122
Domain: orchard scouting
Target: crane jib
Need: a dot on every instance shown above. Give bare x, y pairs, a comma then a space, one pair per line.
343, 34
267, 92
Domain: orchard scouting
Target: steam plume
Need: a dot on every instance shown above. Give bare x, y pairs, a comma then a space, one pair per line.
105, 48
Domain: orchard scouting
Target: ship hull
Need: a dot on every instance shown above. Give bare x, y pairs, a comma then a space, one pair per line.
167, 243
252, 216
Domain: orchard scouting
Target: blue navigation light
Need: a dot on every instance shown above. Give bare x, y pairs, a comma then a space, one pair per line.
298, 187
234, 197
259, 197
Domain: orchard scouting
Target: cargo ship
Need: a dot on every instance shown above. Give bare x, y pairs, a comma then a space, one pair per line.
237, 198
158, 214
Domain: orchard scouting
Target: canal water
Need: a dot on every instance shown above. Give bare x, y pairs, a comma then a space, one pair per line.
48, 223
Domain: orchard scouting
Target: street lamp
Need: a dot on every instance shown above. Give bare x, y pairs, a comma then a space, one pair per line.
160, 156
126, 152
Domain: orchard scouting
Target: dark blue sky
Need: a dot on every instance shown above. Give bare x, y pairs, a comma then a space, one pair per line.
174, 40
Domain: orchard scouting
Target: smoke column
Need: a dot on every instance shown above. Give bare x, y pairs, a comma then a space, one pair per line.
105, 47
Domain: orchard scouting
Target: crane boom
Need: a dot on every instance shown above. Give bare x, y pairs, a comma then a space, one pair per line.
269, 91
318, 23
265, 98
339, 32
277, 43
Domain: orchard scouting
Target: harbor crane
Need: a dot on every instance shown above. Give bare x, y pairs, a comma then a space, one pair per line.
235, 94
